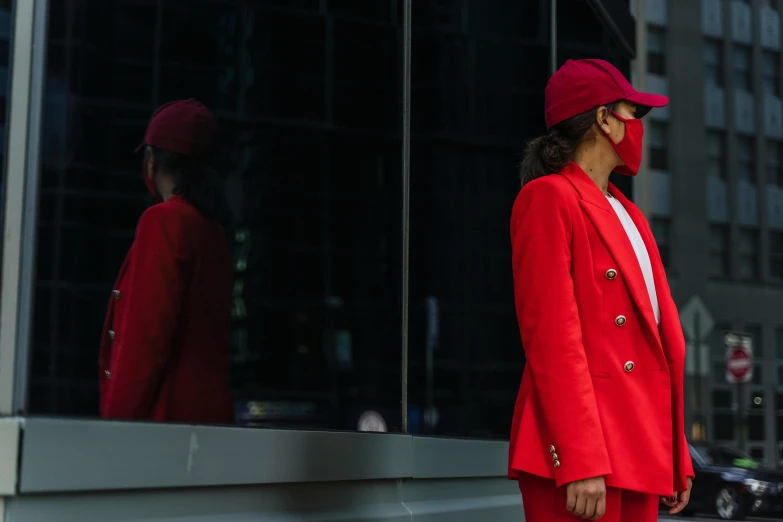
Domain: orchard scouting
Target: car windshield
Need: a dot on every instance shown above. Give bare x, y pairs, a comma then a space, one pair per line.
726, 456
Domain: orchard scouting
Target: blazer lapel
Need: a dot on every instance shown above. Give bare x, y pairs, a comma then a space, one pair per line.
671, 328
607, 223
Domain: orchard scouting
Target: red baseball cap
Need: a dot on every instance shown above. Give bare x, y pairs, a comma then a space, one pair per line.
185, 127
581, 85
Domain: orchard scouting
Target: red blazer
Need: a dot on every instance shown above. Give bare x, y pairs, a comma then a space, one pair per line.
165, 344
602, 391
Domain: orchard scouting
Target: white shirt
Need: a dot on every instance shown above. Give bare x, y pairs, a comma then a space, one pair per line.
641, 254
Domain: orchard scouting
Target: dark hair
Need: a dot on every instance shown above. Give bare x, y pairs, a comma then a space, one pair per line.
194, 180
551, 152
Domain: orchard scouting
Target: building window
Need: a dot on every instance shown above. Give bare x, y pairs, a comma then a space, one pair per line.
713, 62
746, 164
719, 252
656, 51
743, 74
773, 4
774, 163
716, 159
776, 254
756, 331
771, 73
749, 254
661, 228
659, 146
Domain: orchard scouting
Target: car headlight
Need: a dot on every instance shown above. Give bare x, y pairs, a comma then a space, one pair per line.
759, 487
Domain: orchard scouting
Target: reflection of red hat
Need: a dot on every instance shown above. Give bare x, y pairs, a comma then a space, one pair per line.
185, 127
581, 85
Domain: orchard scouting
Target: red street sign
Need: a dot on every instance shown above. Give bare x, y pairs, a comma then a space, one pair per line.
739, 358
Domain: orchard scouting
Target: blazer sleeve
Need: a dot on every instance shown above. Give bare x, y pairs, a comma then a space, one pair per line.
542, 229
150, 315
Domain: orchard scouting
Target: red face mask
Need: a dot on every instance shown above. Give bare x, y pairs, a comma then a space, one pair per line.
630, 147
150, 181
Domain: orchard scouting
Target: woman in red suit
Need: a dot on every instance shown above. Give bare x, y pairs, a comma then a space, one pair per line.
164, 348
598, 425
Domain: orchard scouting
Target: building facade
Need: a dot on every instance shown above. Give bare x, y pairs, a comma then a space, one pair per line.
370, 154
714, 193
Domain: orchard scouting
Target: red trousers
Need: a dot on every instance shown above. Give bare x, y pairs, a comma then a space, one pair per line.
545, 503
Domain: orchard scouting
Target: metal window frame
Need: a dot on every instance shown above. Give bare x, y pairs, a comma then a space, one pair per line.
21, 200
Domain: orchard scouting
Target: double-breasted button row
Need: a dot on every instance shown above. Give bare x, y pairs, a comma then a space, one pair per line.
112, 334
629, 366
620, 320
555, 458
116, 294
611, 274
107, 373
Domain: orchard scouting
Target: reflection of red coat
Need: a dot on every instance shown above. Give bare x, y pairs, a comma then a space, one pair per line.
602, 392
164, 348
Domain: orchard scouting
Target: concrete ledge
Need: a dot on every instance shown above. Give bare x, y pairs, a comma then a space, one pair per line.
444, 500
60, 455
73, 455
456, 458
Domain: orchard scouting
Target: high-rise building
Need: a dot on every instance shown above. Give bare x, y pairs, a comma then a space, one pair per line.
713, 191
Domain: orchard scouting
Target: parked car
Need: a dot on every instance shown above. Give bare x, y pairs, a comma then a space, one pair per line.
731, 484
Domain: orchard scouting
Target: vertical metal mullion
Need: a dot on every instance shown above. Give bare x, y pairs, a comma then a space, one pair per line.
20, 206
35, 124
553, 37
405, 221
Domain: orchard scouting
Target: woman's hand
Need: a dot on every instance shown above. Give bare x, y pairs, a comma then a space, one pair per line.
587, 498
680, 499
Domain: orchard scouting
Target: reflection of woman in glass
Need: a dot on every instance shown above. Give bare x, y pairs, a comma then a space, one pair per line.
598, 427
164, 349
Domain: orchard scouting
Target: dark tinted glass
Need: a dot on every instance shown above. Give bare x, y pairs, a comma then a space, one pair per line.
478, 81
308, 98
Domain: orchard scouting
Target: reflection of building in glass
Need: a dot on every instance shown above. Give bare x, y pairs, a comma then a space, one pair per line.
716, 201
311, 158
478, 93
308, 94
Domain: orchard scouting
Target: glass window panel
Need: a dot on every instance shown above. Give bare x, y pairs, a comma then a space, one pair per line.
713, 62
756, 425
776, 254
779, 342
656, 51
774, 164
748, 250
659, 135
717, 347
771, 73
661, 228
715, 145
719, 373
719, 253
722, 398
724, 426
741, 61
311, 147
716, 163
656, 39
756, 331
